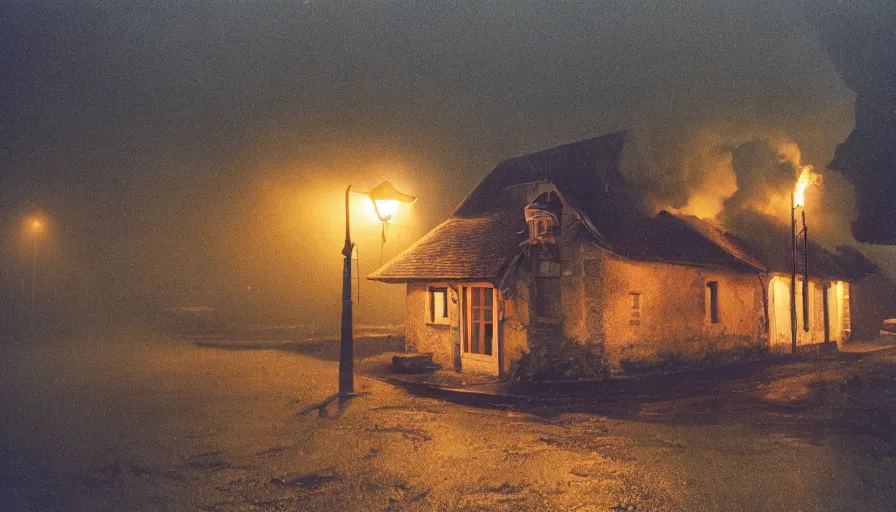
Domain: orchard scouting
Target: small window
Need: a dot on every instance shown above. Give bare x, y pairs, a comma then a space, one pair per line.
635, 309
438, 305
712, 293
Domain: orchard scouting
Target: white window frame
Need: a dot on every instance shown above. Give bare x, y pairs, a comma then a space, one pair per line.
433, 315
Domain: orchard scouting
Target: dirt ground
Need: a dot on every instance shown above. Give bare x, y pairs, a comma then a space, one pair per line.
148, 423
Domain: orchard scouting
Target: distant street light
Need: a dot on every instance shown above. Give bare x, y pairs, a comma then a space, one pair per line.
35, 227
386, 200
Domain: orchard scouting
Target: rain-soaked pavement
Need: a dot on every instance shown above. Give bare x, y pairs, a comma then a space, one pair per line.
145, 423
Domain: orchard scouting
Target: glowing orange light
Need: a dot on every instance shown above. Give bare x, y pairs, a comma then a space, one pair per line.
35, 226
806, 179
386, 199
387, 207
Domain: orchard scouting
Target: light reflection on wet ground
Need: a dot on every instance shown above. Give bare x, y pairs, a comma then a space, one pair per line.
148, 424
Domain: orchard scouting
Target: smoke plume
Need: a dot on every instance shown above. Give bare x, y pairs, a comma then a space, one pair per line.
196, 153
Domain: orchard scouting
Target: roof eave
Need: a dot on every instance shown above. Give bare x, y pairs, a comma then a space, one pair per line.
799, 275
737, 267
429, 279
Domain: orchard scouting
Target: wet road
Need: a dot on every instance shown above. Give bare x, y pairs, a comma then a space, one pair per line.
143, 423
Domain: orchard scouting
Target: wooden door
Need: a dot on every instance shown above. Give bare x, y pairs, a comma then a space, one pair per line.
479, 326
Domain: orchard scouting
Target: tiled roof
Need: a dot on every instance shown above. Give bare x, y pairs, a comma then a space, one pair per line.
714, 235
585, 172
481, 237
770, 243
689, 240
459, 248
683, 240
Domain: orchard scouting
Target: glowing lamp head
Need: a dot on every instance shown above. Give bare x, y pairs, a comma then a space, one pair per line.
386, 199
386, 208
806, 179
35, 226
799, 194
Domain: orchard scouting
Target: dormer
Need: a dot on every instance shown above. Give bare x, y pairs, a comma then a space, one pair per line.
543, 216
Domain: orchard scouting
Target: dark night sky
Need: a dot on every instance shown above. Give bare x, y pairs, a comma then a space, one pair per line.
196, 152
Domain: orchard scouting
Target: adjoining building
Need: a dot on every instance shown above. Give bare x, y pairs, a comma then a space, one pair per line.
550, 261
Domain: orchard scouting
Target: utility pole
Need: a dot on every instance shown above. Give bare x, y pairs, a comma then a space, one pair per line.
32, 312
793, 322
35, 227
805, 273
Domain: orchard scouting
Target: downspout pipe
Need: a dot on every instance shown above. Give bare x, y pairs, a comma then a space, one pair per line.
455, 330
764, 291
805, 274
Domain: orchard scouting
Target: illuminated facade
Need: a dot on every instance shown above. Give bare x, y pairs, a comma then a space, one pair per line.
547, 262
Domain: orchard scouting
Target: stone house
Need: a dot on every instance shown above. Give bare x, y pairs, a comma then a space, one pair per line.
550, 259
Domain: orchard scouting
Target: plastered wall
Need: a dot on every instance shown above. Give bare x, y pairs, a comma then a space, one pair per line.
779, 311
672, 323
421, 336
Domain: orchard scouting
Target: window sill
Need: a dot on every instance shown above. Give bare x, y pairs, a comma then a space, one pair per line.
443, 325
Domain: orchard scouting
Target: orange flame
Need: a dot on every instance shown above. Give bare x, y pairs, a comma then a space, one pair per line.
807, 178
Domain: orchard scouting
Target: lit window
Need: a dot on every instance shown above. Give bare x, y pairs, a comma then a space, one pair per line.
438, 305
712, 295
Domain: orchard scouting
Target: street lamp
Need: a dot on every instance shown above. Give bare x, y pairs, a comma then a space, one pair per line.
806, 179
35, 226
386, 200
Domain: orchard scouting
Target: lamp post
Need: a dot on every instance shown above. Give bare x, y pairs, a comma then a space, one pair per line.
793, 273
798, 200
385, 203
794, 237
34, 228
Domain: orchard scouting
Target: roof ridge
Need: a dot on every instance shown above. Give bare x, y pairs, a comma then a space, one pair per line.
595, 160
566, 147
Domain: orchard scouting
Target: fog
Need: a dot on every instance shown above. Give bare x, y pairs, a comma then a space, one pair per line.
197, 153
